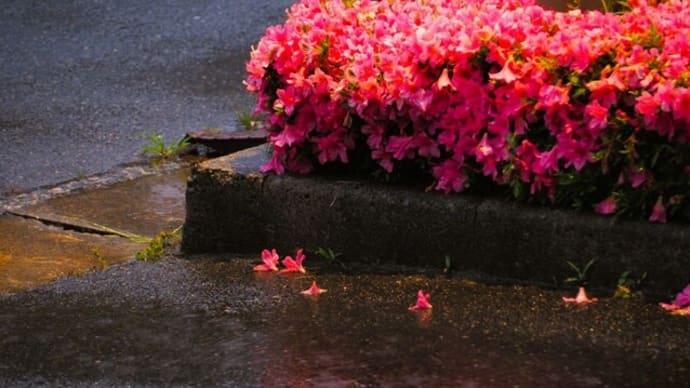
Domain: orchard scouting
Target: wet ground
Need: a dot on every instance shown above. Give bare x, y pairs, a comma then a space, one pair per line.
76, 309
90, 229
83, 81
211, 321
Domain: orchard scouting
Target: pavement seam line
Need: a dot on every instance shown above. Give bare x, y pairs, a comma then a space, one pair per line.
83, 226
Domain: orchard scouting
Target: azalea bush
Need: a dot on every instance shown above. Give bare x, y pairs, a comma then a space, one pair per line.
585, 109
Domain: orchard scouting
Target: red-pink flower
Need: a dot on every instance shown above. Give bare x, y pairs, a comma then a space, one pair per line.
444, 81
450, 176
659, 211
581, 298
422, 301
275, 164
637, 176
294, 265
270, 261
607, 206
332, 147
314, 289
597, 116
287, 100
426, 80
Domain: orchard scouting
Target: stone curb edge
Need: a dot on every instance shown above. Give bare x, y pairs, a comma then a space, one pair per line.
231, 207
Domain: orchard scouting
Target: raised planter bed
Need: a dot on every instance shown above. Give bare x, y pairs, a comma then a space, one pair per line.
232, 207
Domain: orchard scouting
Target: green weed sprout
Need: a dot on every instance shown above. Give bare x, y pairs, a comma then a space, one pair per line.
248, 119
628, 286
581, 274
159, 149
330, 256
157, 246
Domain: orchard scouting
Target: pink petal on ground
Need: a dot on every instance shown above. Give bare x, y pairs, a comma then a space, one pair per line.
314, 290
422, 301
270, 261
261, 268
683, 311
581, 298
294, 265
683, 297
669, 306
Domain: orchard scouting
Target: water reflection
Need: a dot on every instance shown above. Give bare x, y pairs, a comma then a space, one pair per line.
206, 322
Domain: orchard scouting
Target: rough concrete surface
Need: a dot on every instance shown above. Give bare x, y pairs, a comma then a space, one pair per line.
32, 254
142, 206
88, 230
232, 207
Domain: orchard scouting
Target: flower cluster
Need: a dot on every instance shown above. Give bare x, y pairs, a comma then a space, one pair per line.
270, 260
589, 109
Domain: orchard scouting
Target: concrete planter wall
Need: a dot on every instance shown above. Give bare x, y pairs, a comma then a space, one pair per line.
231, 207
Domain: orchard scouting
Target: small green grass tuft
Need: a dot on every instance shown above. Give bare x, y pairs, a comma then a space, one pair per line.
159, 245
159, 149
581, 273
330, 256
98, 255
629, 286
248, 120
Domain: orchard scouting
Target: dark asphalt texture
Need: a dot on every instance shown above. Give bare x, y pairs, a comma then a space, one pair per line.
82, 81
211, 321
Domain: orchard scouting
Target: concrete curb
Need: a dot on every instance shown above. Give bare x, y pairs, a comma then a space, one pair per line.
232, 207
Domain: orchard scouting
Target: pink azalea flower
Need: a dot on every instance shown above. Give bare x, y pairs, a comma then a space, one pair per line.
681, 105
680, 304
401, 147
412, 65
683, 297
294, 265
581, 298
287, 100
332, 147
450, 176
659, 211
607, 206
314, 289
506, 74
637, 176
422, 301
597, 116
270, 261
444, 81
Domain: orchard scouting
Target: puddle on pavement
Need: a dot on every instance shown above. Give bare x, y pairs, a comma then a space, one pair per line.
203, 322
143, 206
32, 253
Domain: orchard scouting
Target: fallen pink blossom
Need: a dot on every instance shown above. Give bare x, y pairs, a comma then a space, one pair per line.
669, 306
683, 297
682, 311
581, 298
270, 261
294, 265
422, 301
680, 304
314, 289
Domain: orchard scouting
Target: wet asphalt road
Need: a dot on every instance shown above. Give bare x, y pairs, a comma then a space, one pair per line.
211, 321
82, 81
